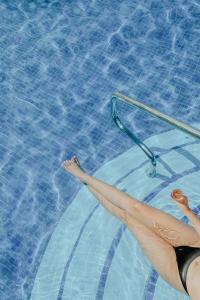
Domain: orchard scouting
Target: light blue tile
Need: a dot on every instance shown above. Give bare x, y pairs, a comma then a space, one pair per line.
177, 162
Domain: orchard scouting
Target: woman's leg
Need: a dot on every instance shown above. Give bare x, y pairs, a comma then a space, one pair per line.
160, 254
166, 226
111, 208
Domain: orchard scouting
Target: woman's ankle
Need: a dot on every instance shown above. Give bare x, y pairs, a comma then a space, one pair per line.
82, 177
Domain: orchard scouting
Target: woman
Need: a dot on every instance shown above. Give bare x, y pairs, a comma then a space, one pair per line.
172, 247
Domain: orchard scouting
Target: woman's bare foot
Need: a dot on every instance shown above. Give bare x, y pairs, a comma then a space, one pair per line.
73, 166
75, 158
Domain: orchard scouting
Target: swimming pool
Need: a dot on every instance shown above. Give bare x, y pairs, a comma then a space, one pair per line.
60, 64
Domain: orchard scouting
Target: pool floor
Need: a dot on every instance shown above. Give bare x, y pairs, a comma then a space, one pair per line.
91, 254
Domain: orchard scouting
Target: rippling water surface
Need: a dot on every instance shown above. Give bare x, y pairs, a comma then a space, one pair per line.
60, 62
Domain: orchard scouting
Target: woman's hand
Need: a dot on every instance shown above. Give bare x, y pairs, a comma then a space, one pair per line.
180, 199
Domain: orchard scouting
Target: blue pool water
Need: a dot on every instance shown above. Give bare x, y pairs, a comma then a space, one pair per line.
60, 62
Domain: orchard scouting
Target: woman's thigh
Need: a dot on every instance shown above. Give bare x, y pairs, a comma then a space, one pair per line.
160, 253
172, 230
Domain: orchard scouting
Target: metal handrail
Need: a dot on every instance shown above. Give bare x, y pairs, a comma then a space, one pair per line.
182, 126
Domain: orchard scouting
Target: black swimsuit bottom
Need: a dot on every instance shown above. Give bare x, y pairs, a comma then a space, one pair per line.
185, 255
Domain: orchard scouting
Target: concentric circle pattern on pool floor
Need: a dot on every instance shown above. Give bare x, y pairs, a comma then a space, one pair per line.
92, 255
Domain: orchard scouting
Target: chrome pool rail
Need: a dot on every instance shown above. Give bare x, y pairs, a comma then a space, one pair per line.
180, 125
